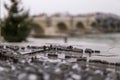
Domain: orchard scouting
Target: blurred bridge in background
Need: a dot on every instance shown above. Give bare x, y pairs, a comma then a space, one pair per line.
67, 24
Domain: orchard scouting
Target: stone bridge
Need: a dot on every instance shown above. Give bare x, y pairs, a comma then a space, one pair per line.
62, 25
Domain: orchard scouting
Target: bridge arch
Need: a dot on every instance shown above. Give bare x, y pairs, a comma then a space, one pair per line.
80, 26
37, 29
62, 27
94, 25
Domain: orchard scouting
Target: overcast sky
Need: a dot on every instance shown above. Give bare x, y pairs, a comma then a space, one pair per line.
71, 6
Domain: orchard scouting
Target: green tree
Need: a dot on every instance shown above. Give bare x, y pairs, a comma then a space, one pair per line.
16, 26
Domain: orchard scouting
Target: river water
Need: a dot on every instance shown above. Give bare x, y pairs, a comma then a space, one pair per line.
105, 41
92, 38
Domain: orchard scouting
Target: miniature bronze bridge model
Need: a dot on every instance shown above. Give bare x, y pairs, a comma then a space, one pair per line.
52, 49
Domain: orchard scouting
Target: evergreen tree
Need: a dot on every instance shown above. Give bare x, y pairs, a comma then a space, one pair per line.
16, 26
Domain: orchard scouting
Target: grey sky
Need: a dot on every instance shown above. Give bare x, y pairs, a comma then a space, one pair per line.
71, 6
